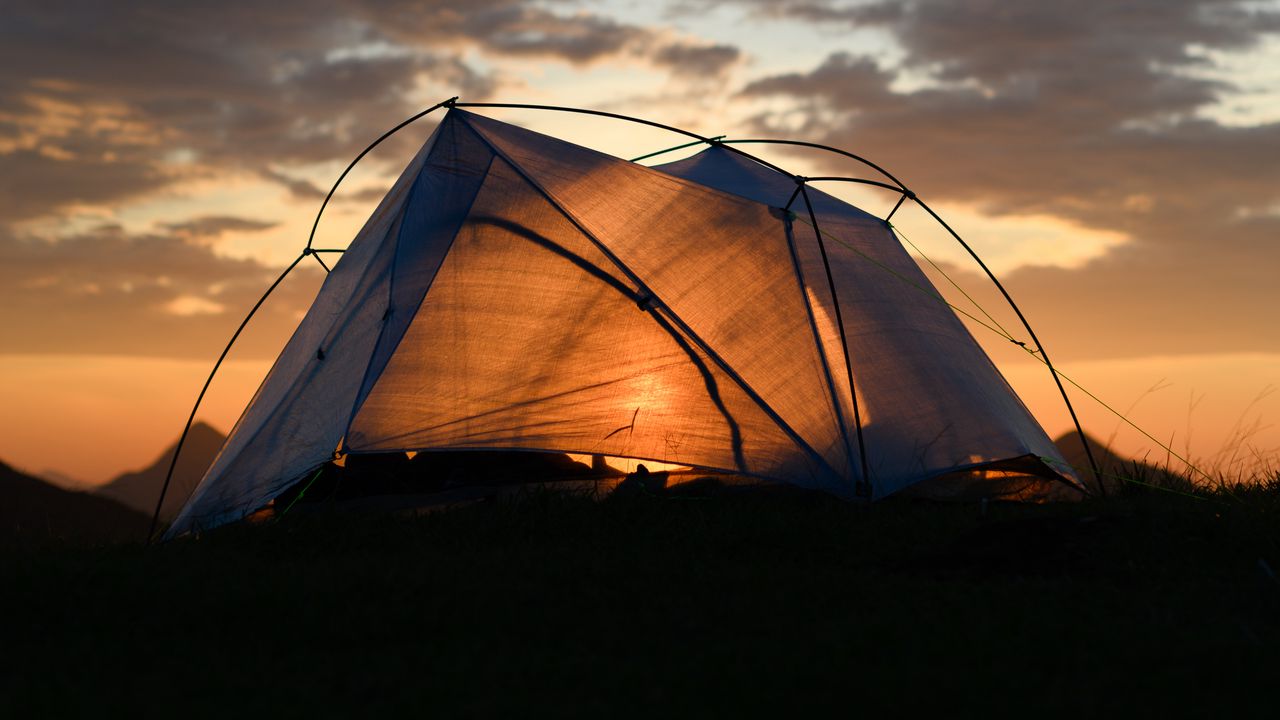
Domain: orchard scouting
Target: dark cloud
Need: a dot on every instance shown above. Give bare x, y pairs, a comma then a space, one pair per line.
526, 30
695, 60
860, 82
32, 182
212, 226
103, 104
303, 189
107, 291
298, 188
237, 85
1087, 111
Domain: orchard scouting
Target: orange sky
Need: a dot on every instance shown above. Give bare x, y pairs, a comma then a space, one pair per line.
1117, 169
102, 415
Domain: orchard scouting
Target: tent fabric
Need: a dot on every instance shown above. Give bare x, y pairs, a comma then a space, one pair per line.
293, 423
561, 358
929, 397
516, 291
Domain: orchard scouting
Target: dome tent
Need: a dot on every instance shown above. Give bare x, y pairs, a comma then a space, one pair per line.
515, 291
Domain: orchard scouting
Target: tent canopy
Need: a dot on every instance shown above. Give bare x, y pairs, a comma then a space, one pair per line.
516, 291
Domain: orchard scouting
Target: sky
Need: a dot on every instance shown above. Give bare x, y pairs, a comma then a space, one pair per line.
1115, 162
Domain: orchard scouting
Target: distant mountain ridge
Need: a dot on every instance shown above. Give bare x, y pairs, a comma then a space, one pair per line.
1112, 465
32, 509
140, 489
63, 480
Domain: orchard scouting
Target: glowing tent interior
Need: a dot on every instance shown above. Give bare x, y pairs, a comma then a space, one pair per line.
515, 291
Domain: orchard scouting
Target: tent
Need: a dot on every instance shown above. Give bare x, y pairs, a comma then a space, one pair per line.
516, 291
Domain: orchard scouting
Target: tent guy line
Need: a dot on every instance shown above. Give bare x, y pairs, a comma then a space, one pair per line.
713, 142
1001, 331
1004, 333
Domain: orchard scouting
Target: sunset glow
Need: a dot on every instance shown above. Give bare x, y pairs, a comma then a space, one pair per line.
1121, 185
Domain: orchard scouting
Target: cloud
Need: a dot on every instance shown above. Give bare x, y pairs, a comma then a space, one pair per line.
106, 291
299, 188
212, 226
520, 29
104, 106
98, 105
698, 60
33, 183
1088, 111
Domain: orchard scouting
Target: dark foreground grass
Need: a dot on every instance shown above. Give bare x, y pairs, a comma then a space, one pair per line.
1147, 603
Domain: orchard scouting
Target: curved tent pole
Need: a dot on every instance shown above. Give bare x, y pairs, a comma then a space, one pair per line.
863, 487
446, 103
819, 146
177, 450
1084, 441
581, 111
308, 250
618, 116
656, 153
859, 181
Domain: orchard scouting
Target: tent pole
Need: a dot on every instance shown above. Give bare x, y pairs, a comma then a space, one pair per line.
860, 181
177, 450
1084, 440
863, 487
581, 111
628, 118
901, 198
446, 103
792, 245
682, 146
817, 146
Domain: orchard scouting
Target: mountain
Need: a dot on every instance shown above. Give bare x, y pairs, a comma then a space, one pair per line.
32, 509
64, 481
1073, 452
1113, 466
140, 489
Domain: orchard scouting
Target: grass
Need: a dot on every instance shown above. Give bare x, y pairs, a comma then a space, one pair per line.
1146, 601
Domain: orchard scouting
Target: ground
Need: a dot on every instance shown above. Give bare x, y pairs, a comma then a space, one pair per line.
1148, 603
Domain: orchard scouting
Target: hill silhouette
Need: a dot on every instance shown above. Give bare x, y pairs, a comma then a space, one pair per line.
32, 509
140, 489
64, 481
1113, 466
